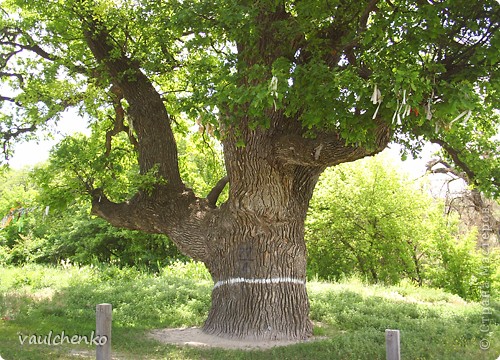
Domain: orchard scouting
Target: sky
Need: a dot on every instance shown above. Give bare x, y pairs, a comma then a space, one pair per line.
416, 169
33, 152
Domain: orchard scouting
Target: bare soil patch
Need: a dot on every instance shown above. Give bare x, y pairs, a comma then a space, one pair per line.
195, 337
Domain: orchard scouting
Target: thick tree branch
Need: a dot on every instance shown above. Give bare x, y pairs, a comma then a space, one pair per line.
170, 209
455, 156
363, 21
326, 149
182, 216
214, 194
156, 142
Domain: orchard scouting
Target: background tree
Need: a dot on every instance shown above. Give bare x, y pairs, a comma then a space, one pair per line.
17, 204
469, 203
289, 87
368, 219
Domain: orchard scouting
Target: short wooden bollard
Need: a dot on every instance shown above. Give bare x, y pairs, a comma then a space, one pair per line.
103, 331
392, 345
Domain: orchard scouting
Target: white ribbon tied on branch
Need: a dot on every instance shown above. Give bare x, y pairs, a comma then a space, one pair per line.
376, 99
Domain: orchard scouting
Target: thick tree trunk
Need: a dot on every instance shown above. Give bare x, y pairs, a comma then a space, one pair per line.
259, 271
257, 253
253, 245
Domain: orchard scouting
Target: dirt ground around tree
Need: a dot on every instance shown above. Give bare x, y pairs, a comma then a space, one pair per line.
193, 336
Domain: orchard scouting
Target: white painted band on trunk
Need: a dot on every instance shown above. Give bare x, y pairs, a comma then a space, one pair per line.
278, 280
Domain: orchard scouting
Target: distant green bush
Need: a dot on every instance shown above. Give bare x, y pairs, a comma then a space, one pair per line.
40, 234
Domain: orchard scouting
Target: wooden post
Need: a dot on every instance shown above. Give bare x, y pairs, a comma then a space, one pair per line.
103, 331
392, 345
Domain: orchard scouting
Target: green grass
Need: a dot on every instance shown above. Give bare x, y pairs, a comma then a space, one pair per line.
350, 315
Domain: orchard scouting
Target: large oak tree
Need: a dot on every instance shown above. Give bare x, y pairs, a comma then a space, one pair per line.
288, 87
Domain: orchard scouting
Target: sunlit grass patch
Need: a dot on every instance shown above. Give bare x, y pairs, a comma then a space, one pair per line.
350, 315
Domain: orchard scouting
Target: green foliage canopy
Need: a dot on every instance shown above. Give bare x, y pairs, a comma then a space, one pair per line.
427, 69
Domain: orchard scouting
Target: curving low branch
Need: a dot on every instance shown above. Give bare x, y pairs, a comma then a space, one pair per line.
183, 217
